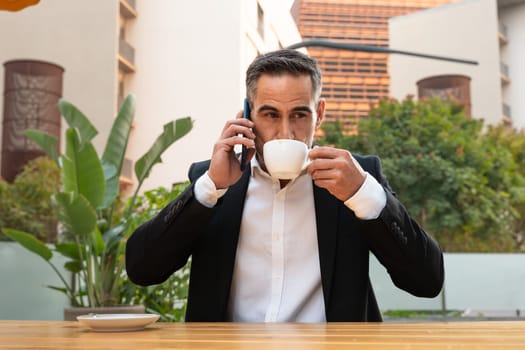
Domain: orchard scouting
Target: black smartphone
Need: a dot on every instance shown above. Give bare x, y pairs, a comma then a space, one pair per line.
246, 114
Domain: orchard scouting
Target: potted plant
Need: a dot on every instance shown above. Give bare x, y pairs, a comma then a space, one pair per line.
88, 204
167, 299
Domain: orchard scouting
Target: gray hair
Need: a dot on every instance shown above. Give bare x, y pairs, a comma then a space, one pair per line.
281, 62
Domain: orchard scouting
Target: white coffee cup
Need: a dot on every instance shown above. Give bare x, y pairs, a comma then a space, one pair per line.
285, 158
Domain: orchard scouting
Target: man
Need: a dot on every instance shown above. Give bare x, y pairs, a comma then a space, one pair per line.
269, 250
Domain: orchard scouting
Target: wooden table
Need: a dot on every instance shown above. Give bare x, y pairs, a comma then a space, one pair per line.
458, 335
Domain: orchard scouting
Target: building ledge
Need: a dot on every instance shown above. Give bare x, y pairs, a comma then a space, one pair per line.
127, 10
125, 65
502, 39
507, 121
125, 184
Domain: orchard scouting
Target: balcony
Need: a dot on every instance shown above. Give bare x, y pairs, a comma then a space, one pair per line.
126, 175
502, 34
127, 9
507, 115
126, 56
504, 73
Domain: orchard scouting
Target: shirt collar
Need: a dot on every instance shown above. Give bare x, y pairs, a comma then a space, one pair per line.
255, 165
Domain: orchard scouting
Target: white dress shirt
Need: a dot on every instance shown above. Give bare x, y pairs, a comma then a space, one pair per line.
277, 275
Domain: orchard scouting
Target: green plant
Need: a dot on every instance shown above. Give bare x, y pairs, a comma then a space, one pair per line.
89, 200
421, 313
463, 184
25, 203
167, 299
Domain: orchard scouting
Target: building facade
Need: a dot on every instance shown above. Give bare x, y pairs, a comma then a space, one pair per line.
491, 32
353, 81
179, 58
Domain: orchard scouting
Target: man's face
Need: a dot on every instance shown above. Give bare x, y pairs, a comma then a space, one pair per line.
284, 108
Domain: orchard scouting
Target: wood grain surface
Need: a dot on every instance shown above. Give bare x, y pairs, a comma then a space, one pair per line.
457, 335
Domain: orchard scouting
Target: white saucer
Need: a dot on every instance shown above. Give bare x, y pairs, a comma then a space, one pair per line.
117, 322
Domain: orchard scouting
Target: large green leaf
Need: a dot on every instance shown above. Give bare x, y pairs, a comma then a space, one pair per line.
98, 242
68, 249
109, 170
172, 132
47, 142
82, 170
75, 213
112, 184
60, 289
29, 242
116, 147
113, 236
73, 266
76, 119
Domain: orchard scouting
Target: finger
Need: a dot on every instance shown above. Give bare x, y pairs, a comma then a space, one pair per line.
329, 174
324, 152
237, 140
237, 129
238, 121
327, 164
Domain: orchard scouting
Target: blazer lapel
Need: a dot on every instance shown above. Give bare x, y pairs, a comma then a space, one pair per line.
326, 215
230, 216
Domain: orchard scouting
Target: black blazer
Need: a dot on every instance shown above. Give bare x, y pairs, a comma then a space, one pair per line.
186, 228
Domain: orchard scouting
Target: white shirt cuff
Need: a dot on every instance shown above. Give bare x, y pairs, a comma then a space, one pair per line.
368, 202
206, 192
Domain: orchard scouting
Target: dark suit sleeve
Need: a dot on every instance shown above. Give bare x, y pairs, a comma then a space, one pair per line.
162, 245
411, 256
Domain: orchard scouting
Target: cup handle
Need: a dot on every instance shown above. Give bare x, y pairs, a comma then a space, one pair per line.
306, 163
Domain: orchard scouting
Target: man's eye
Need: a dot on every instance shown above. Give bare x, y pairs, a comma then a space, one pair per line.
272, 115
299, 115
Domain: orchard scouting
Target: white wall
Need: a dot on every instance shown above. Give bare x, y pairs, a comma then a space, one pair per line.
187, 58
191, 57
472, 281
80, 36
513, 54
24, 276
468, 30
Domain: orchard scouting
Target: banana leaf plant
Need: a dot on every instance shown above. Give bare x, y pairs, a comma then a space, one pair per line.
89, 200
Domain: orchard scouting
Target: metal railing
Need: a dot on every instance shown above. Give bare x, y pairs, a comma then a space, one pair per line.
503, 29
504, 68
126, 51
127, 8
506, 111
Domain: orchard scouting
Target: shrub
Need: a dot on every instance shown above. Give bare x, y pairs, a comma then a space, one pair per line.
26, 205
167, 299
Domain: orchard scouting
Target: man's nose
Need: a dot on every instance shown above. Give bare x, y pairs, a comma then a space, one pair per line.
285, 130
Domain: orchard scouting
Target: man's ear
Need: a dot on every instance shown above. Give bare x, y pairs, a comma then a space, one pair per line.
320, 112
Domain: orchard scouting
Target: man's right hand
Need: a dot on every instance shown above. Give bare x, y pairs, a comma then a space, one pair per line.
224, 168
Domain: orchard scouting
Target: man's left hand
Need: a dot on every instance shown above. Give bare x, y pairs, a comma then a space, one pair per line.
336, 170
